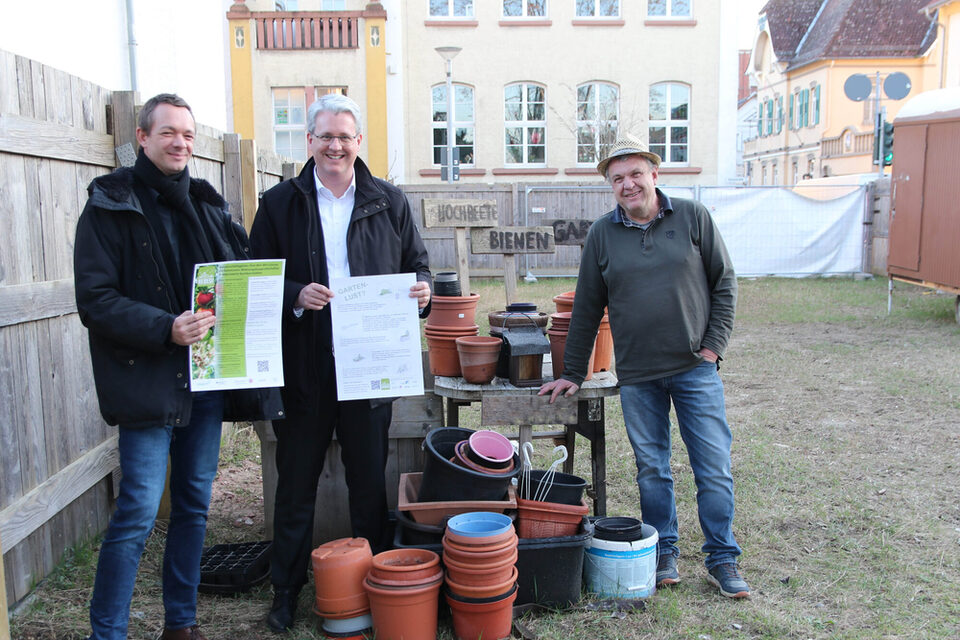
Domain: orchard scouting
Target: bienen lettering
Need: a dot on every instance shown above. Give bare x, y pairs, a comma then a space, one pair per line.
523, 240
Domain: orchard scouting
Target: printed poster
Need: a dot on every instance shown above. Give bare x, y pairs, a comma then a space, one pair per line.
376, 337
243, 350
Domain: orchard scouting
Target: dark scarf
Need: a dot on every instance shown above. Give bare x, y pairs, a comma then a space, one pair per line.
190, 243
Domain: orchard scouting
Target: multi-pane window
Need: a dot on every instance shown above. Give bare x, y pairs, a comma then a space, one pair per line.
669, 125
524, 8
463, 122
598, 8
670, 8
524, 114
290, 123
816, 104
333, 5
451, 8
598, 115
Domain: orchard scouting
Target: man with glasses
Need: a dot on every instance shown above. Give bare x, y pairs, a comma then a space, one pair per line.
333, 220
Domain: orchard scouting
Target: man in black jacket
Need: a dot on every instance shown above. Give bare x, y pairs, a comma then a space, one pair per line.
140, 234
333, 220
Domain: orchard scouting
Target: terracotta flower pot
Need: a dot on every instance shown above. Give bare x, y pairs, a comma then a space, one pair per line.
483, 591
478, 357
482, 620
480, 556
453, 311
537, 519
558, 344
404, 613
339, 567
564, 301
405, 567
444, 358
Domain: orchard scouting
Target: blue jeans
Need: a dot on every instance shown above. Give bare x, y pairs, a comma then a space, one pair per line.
697, 397
194, 450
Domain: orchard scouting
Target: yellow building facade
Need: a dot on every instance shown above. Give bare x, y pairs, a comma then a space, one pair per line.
808, 127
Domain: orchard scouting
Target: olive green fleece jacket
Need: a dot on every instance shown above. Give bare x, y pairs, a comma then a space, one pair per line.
670, 290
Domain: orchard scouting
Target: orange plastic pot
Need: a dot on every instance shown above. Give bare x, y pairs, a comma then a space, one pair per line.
479, 572
564, 301
404, 613
603, 346
484, 620
537, 519
472, 542
339, 567
444, 359
477, 557
482, 591
405, 567
499, 545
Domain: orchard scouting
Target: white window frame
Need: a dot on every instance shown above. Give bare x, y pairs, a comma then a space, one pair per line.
290, 129
596, 123
525, 6
596, 11
450, 13
469, 125
528, 127
670, 123
670, 15
338, 5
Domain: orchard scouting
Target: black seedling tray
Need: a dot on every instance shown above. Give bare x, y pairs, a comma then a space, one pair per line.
234, 568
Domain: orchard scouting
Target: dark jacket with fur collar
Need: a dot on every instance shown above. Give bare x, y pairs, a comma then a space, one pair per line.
125, 299
382, 238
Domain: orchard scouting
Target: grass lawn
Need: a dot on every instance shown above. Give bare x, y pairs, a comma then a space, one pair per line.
846, 427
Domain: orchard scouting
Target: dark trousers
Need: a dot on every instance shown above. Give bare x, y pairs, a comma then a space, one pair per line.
302, 442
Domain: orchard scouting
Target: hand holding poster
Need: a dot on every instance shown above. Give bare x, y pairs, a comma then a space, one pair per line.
243, 350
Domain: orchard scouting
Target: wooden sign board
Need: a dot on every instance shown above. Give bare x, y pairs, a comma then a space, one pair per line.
570, 231
459, 213
512, 240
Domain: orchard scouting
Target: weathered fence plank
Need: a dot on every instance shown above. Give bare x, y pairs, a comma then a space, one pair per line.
25, 516
32, 137
36, 301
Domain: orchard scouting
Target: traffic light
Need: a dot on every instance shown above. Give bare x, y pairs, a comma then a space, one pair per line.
887, 143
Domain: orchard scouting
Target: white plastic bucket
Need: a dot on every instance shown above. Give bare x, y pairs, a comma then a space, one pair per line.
614, 569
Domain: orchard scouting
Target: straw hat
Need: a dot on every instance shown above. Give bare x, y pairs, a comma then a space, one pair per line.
627, 145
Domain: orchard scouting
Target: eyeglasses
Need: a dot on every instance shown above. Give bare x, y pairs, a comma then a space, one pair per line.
328, 139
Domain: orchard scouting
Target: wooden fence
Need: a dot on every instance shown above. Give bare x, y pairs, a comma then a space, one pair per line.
57, 457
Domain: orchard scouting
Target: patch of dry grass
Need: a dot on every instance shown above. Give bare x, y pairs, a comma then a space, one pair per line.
845, 462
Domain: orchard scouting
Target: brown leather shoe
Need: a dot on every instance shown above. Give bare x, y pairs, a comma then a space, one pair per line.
189, 633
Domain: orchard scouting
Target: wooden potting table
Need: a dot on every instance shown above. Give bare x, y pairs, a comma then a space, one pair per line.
501, 404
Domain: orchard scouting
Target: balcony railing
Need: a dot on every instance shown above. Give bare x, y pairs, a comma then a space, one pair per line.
847, 144
293, 30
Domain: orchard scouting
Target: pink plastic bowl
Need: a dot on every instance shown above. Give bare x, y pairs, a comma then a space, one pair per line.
492, 446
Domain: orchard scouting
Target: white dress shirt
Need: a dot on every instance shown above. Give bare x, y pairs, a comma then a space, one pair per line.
335, 219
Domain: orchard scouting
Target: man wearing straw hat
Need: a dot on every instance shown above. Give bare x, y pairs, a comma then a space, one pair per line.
661, 267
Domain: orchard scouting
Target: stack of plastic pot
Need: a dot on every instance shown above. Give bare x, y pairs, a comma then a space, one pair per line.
603, 344
403, 586
559, 326
552, 505
480, 555
339, 568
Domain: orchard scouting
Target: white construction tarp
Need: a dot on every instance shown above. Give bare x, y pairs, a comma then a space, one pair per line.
775, 231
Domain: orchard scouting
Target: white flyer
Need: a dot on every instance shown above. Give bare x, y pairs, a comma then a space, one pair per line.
376, 337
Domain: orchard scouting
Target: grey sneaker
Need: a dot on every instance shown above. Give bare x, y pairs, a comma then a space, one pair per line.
727, 578
667, 573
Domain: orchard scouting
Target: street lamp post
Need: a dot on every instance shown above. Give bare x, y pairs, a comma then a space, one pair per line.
448, 54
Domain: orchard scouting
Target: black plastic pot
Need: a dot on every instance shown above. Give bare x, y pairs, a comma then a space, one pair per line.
565, 489
446, 480
618, 529
521, 307
446, 283
415, 533
550, 569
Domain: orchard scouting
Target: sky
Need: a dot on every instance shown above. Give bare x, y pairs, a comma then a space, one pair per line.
747, 11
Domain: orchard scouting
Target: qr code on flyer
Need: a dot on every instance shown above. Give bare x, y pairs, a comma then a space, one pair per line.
374, 385
263, 366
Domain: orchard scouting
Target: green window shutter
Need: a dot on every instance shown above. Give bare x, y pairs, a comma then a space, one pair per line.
779, 114
816, 104
791, 110
769, 117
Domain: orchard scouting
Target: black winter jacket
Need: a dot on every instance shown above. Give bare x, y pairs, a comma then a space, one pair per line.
126, 300
382, 238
